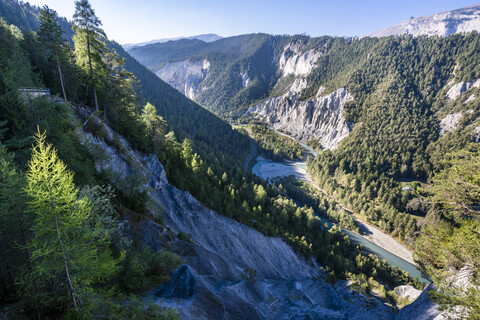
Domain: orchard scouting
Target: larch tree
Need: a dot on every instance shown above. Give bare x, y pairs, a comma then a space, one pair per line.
50, 35
69, 255
89, 41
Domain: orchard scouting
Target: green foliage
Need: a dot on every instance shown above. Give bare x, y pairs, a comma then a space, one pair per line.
249, 274
275, 146
89, 40
26, 16
132, 307
14, 225
50, 35
231, 58
307, 195
63, 246
145, 269
398, 84
450, 235
208, 163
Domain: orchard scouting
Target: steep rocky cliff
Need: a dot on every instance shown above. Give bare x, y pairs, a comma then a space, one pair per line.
295, 60
319, 118
185, 75
232, 271
440, 24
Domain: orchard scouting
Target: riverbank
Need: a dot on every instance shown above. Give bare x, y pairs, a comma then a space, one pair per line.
267, 169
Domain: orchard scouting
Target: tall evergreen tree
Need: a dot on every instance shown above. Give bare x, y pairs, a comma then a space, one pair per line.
13, 223
118, 84
89, 40
155, 125
50, 35
68, 254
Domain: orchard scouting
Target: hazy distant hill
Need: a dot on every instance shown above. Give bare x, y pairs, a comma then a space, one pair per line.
440, 24
209, 37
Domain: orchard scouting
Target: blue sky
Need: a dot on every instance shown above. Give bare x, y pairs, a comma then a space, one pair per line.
127, 21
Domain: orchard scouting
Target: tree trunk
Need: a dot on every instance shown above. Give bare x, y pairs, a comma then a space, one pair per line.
91, 72
69, 280
60, 242
60, 74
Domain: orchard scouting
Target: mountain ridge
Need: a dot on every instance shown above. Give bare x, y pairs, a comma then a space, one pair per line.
440, 24
206, 37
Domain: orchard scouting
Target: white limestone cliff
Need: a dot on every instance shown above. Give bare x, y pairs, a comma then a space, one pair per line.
319, 118
458, 89
185, 75
295, 61
441, 24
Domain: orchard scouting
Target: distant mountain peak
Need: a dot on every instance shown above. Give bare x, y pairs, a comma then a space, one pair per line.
207, 37
440, 24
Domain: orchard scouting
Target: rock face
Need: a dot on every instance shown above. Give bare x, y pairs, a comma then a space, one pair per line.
408, 291
458, 89
234, 271
183, 285
185, 76
319, 118
441, 24
450, 122
421, 309
294, 61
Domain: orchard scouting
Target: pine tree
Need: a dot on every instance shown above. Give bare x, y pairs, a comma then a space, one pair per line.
89, 40
69, 256
118, 83
14, 223
155, 126
50, 35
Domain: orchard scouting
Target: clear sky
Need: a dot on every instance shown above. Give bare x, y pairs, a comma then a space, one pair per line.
129, 21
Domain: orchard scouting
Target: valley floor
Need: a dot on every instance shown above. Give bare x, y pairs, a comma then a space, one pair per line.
268, 169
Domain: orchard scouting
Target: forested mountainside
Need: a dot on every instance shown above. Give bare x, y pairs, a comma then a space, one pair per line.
405, 108
82, 192
396, 92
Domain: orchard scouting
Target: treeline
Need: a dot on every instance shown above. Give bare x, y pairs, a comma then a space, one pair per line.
275, 146
398, 86
64, 250
307, 195
223, 91
197, 162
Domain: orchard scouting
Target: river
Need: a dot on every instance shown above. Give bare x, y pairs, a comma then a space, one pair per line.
268, 169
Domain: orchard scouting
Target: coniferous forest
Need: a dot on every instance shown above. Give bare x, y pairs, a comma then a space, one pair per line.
68, 243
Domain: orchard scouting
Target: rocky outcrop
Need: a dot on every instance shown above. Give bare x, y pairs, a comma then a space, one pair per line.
408, 292
183, 285
320, 118
185, 76
476, 135
450, 122
458, 89
245, 79
232, 271
296, 61
423, 308
441, 24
